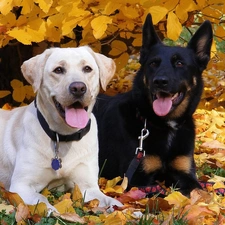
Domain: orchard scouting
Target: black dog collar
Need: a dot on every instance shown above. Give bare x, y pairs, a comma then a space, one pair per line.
65, 138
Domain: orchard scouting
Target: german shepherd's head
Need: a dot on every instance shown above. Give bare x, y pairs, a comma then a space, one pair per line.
172, 76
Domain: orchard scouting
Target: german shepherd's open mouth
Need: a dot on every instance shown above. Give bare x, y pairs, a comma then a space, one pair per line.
164, 103
75, 114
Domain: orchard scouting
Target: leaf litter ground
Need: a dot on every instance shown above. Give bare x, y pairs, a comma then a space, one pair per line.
205, 206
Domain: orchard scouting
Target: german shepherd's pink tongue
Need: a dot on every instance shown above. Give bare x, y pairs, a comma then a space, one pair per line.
76, 117
162, 106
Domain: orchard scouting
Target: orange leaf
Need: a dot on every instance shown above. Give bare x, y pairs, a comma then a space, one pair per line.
72, 217
4, 93
13, 198
22, 213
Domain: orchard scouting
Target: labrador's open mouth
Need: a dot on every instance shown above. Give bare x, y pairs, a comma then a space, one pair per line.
75, 115
163, 102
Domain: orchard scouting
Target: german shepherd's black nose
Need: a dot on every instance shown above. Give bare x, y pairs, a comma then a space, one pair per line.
160, 82
77, 89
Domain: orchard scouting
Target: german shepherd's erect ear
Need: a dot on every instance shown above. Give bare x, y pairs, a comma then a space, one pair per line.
200, 43
149, 38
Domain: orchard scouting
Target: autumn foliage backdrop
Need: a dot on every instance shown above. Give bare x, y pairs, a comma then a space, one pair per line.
114, 28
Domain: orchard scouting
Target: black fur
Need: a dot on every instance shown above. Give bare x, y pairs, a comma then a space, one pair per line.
164, 72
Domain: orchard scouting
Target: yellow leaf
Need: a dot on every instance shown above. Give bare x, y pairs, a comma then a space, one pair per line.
8, 20
213, 49
65, 206
137, 42
29, 91
183, 8
27, 6
78, 12
99, 25
214, 207
174, 27
19, 94
6, 6
118, 47
219, 185
77, 195
37, 29
40, 209
16, 84
8, 208
68, 25
122, 61
177, 199
93, 219
201, 3
115, 218
4, 93
158, 13
111, 7
54, 24
124, 184
113, 182
221, 97
45, 5
93, 203
21, 35
130, 12
220, 31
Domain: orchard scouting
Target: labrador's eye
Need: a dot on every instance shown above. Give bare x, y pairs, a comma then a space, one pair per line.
87, 69
59, 70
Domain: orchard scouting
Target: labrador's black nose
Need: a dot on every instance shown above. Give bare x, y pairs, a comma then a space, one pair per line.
77, 89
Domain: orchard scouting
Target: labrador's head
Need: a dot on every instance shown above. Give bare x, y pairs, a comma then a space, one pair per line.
67, 81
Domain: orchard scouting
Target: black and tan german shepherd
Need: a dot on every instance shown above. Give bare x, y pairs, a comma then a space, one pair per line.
165, 94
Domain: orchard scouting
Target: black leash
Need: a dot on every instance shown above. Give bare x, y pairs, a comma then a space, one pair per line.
139, 154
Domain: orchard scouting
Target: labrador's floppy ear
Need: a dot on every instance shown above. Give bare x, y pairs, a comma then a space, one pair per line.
107, 67
32, 69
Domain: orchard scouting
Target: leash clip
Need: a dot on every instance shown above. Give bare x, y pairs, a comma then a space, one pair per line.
144, 135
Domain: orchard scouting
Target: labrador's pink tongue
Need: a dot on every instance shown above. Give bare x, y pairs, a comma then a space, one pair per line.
76, 117
162, 106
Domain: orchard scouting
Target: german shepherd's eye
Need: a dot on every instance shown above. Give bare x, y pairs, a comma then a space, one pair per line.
154, 64
87, 69
59, 70
179, 63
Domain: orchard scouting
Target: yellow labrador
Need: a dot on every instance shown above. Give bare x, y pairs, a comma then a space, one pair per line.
54, 139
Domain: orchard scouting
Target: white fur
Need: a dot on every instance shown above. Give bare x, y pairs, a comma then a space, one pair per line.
26, 150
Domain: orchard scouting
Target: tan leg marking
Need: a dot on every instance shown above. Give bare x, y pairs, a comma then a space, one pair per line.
182, 163
151, 163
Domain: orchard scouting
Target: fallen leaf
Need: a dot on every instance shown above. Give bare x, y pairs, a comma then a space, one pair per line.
22, 213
